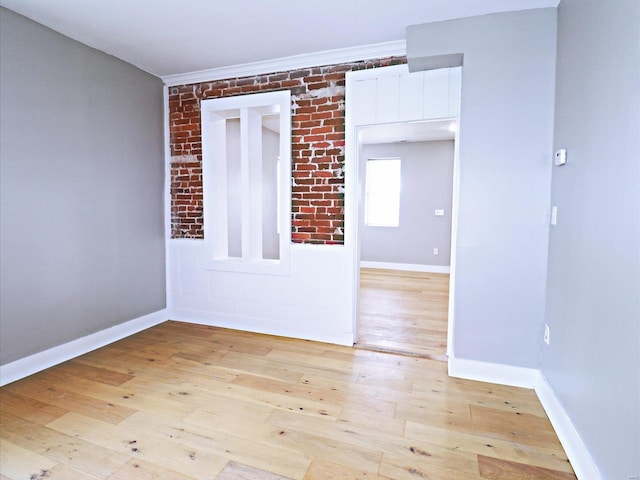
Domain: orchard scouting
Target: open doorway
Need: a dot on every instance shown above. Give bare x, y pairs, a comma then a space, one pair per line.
405, 232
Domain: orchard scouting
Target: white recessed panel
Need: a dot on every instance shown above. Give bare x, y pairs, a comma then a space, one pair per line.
411, 96
436, 94
388, 99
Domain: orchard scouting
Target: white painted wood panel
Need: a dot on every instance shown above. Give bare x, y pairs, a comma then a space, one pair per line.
365, 109
216, 196
436, 94
312, 302
411, 96
387, 100
455, 87
252, 183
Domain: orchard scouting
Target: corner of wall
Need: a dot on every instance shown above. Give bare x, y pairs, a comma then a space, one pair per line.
492, 372
37, 362
577, 453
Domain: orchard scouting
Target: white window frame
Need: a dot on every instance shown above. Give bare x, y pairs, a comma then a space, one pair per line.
214, 114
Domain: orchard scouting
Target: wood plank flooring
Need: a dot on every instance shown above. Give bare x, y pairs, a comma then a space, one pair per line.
183, 401
403, 312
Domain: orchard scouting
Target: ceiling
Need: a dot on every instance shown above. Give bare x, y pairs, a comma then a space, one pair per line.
420, 131
167, 37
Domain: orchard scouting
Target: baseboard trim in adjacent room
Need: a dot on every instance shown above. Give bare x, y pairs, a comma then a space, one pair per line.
492, 372
577, 453
406, 267
48, 358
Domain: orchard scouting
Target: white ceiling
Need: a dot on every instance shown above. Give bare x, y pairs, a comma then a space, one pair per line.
421, 131
166, 37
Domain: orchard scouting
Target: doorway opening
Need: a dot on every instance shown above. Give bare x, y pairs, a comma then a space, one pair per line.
405, 264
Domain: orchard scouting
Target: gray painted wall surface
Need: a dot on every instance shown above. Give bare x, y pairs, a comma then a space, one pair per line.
505, 152
427, 184
82, 179
593, 291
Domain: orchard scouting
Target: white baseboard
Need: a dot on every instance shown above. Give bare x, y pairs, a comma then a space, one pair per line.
407, 267
248, 324
48, 358
577, 453
493, 372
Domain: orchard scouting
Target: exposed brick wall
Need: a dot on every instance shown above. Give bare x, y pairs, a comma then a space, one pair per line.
317, 108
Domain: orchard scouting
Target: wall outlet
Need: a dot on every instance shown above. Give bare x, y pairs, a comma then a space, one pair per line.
436, 251
560, 157
554, 215
547, 333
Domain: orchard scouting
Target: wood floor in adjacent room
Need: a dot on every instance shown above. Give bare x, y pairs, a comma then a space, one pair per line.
182, 401
403, 312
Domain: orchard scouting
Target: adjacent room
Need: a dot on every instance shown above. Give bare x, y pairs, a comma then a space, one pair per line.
283, 240
405, 237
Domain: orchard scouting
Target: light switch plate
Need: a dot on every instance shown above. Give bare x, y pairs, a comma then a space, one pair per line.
561, 157
554, 215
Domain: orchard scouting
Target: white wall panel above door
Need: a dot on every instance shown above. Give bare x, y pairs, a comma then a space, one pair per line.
401, 96
387, 99
436, 93
412, 88
455, 87
366, 111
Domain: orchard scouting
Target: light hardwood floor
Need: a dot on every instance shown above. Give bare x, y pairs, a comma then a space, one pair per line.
403, 312
182, 401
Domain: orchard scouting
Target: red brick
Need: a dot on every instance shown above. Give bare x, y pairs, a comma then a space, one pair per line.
318, 127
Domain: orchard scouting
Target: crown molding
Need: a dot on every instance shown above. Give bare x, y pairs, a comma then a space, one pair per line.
327, 57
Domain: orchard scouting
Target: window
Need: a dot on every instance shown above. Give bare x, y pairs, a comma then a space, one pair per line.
382, 197
246, 145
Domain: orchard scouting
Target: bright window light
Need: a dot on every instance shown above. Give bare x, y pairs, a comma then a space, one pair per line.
382, 197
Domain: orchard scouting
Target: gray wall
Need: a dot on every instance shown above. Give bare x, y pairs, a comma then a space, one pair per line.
82, 179
593, 291
505, 152
427, 184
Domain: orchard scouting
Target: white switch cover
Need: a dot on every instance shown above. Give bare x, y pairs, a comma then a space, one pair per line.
439, 212
436, 251
561, 157
547, 334
554, 215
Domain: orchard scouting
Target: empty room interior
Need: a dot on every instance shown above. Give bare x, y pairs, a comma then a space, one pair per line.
340, 240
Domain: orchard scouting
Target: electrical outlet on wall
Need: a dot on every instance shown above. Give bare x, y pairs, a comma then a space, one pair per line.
547, 333
436, 251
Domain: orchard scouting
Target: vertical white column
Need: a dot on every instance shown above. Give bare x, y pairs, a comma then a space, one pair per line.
251, 167
214, 144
